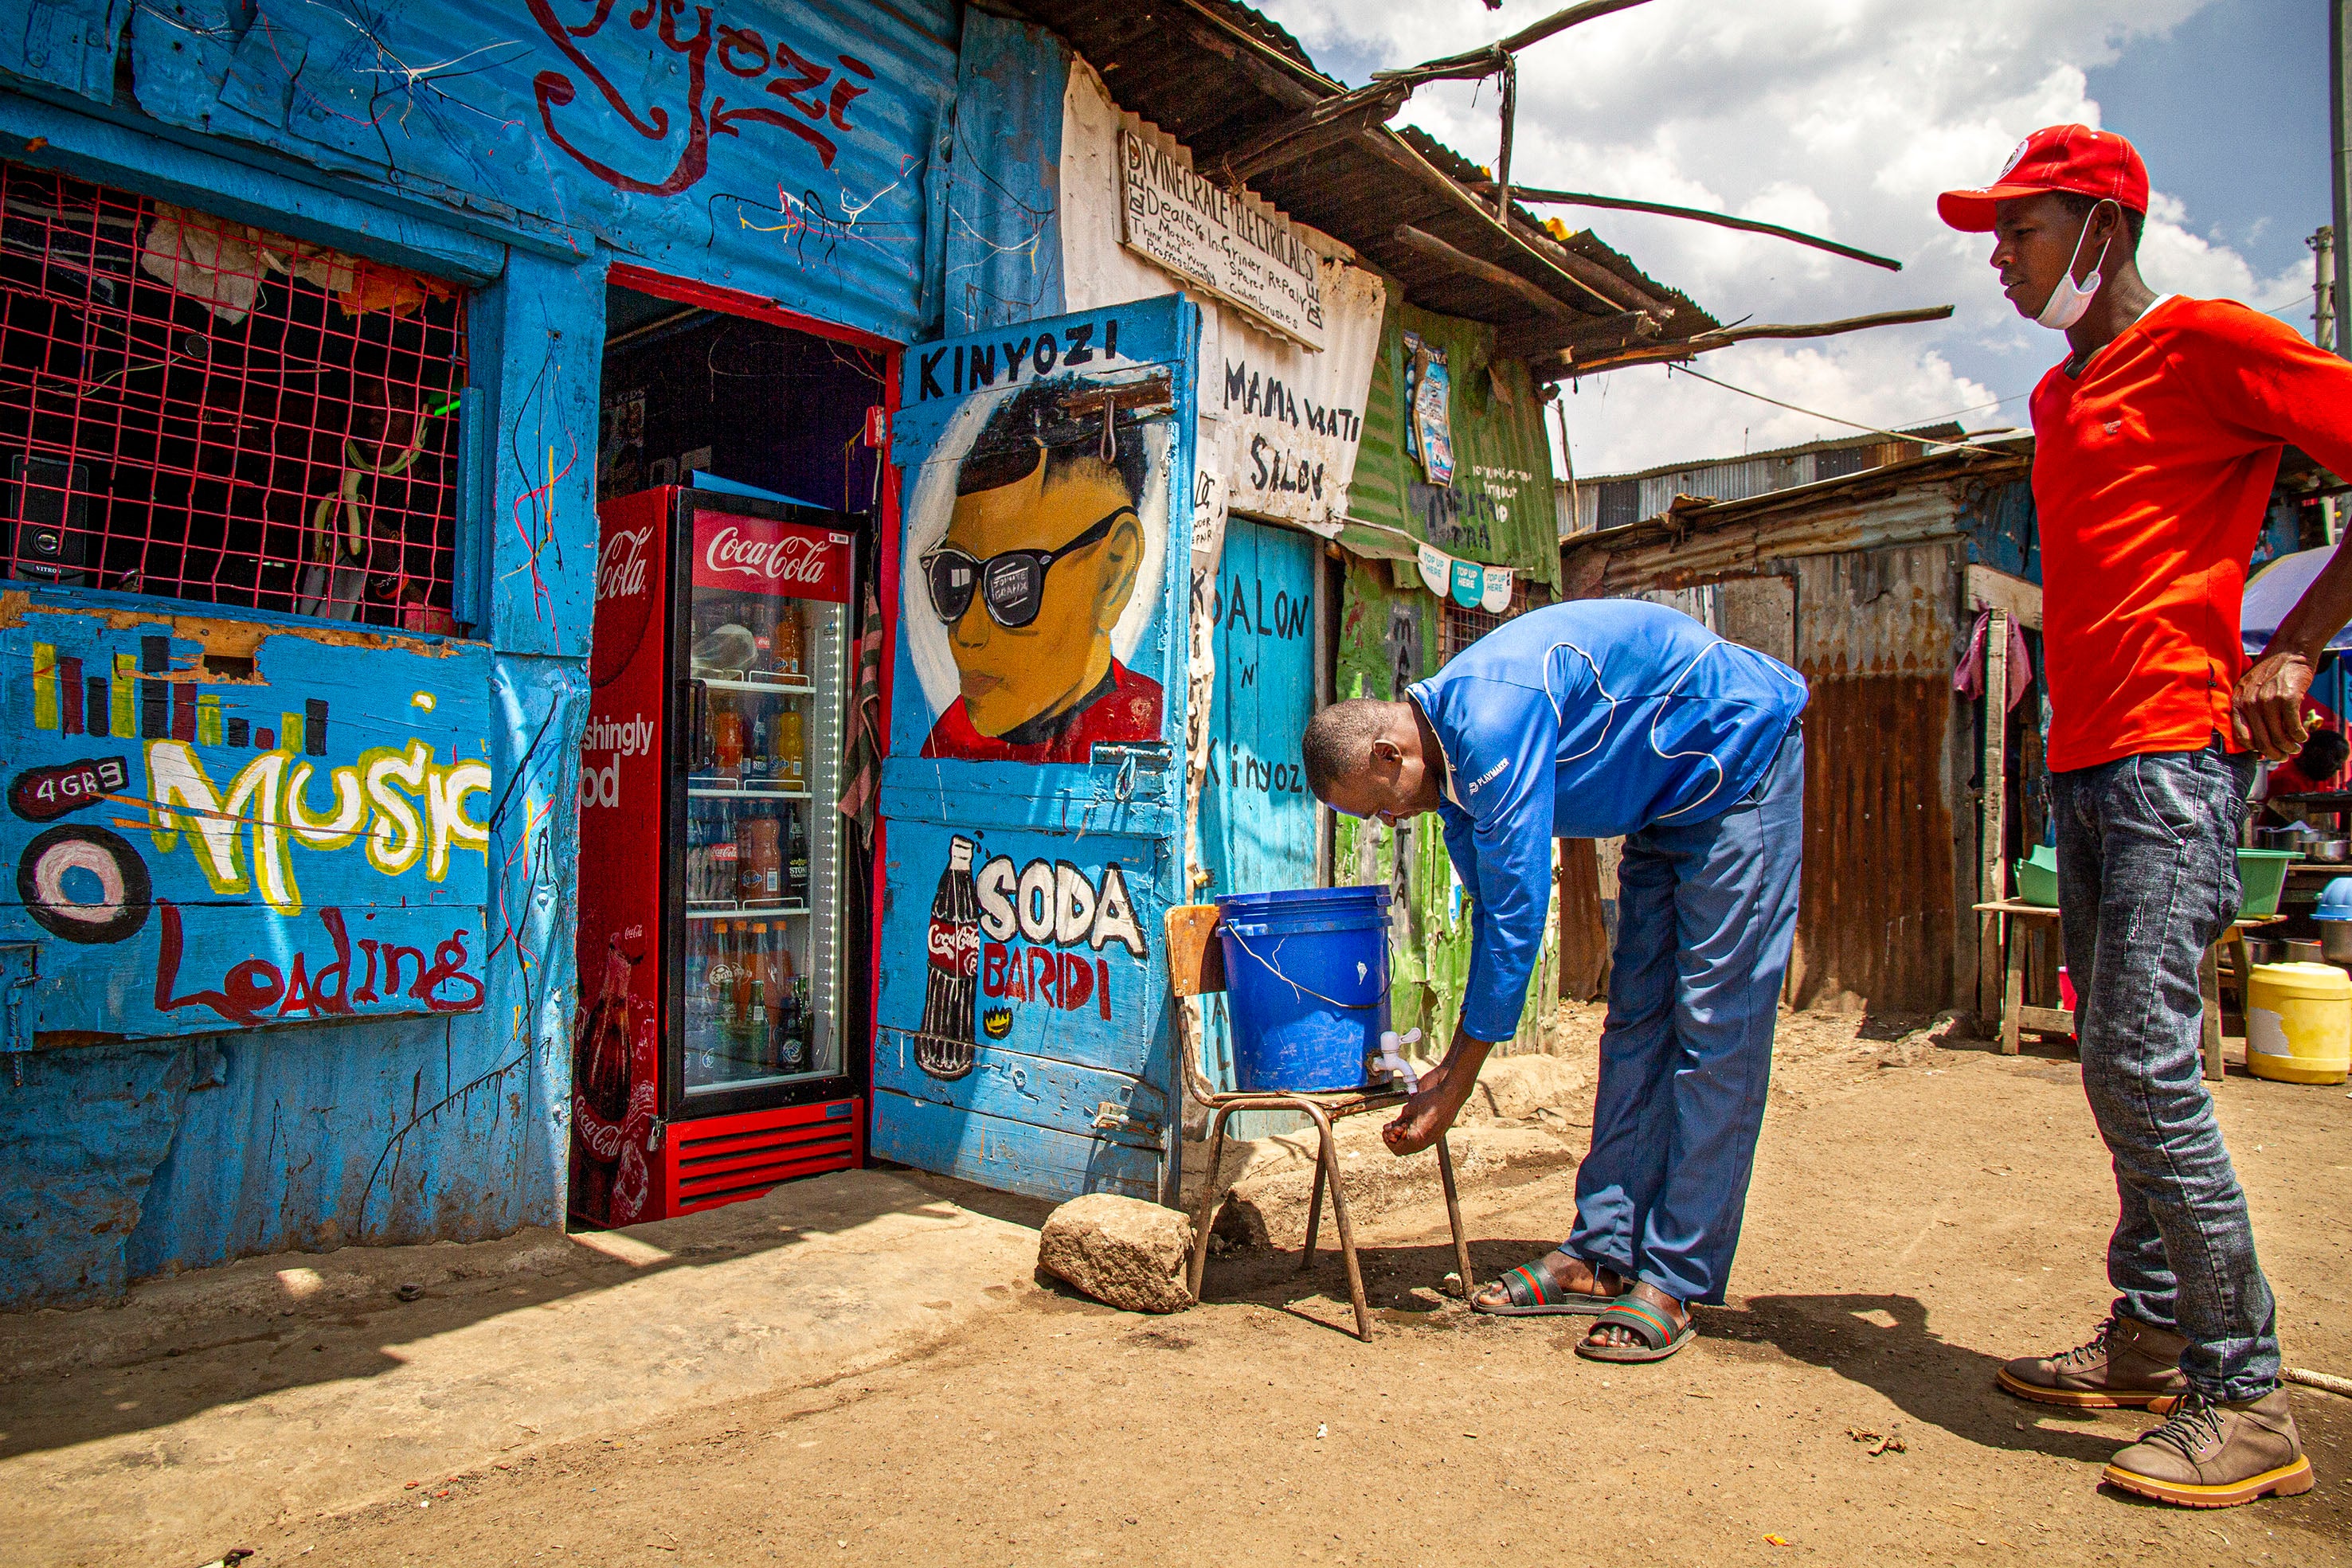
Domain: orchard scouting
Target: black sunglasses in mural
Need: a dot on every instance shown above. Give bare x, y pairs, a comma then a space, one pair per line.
1013, 585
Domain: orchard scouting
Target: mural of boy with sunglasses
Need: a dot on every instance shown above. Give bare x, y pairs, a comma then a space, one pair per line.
1039, 562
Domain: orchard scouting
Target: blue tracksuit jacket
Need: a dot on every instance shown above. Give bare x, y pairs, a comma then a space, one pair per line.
1586, 720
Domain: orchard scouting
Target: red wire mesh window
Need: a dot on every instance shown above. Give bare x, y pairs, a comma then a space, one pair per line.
199, 409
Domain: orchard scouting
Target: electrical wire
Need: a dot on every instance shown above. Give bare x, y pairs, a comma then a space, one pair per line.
1932, 419
1834, 418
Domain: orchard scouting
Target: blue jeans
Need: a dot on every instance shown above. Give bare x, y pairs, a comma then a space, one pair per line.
1706, 912
2148, 877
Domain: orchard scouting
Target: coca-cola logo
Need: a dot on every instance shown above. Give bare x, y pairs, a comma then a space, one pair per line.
791, 558
621, 570
955, 947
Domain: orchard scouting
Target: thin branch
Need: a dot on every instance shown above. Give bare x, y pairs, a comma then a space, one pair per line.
1487, 61
1690, 347
1721, 220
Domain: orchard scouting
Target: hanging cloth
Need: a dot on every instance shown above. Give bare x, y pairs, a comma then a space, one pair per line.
863, 788
1968, 678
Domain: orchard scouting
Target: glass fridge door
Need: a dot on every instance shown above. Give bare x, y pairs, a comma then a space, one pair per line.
768, 643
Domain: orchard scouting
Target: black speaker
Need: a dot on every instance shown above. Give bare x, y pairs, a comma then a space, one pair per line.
50, 513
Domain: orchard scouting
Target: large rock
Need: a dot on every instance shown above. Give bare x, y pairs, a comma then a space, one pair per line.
1122, 1250
1512, 1087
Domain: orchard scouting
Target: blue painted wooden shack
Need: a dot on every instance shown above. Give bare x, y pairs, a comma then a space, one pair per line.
309, 322
303, 310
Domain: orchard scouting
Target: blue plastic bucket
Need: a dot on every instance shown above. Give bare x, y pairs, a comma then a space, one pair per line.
1306, 985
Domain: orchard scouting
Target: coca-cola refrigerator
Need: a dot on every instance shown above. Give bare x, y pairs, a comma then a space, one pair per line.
710, 1056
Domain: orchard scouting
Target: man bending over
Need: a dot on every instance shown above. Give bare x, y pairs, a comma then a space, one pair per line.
1591, 720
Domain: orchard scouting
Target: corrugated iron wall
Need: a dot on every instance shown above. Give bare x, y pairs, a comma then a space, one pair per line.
1889, 835
1874, 636
1499, 509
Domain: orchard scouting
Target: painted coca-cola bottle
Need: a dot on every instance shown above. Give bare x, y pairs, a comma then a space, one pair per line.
943, 1049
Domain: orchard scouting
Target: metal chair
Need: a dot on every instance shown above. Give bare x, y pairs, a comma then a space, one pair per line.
1196, 966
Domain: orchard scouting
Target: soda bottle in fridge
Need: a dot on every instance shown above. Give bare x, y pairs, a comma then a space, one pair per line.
783, 1019
723, 862
796, 859
738, 1000
755, 612
726, 737
944, 1047
788, 645
762, 989
788, 764
759, 856
797, 1038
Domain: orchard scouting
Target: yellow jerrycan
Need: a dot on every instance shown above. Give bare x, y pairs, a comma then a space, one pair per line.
2299, 1023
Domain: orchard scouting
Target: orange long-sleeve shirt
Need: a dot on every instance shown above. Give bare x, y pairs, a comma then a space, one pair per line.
2152, 470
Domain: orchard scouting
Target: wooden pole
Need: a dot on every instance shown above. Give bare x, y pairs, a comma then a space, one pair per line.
1992, 818
1700, 214
1691, 348
1503, 157
1429, 245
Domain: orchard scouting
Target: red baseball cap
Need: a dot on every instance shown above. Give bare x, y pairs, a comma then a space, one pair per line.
2075, 158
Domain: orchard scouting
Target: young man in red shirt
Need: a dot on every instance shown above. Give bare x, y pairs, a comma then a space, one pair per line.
2156, 445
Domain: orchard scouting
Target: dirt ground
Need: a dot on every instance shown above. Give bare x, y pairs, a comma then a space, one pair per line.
1919, 1214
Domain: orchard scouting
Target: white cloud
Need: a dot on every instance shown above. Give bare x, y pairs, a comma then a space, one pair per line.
1840, 117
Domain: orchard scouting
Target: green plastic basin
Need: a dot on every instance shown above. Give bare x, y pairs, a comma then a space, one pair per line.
2262, 877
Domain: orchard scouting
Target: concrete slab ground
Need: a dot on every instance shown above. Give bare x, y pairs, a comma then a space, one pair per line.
291, 1386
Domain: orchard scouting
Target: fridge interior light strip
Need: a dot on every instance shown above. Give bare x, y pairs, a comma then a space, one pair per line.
776, 687
708, 792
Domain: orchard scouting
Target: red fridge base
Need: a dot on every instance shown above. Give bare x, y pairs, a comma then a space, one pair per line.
717, 1160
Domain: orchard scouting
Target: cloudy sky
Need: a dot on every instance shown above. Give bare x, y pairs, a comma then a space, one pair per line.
1844, 118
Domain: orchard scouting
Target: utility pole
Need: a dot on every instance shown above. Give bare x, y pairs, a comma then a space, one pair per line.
2324, 330
2339, 142
2322, 286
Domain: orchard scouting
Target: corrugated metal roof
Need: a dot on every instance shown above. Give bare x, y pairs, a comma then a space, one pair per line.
1219, 77
1817, 513
1587, 504
1948, 430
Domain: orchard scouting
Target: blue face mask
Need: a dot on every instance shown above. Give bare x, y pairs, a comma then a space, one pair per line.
2070, 299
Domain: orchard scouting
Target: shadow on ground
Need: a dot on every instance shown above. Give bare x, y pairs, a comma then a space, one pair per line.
262, 1326
1884, 1343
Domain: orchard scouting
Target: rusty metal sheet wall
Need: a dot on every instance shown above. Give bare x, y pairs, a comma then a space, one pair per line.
1887, 768
1914, 516
1875, 634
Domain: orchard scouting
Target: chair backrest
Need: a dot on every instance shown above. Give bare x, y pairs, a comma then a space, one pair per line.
1196, 958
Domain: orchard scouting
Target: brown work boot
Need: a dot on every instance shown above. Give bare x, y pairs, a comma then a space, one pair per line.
2127, 1365
2217, 1455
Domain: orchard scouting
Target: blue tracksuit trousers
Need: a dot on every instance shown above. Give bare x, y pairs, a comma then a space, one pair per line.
1706, 912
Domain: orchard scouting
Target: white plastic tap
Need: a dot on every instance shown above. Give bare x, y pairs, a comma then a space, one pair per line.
1394, 1065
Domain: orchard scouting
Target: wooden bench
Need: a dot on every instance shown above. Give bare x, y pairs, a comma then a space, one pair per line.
2017, 1016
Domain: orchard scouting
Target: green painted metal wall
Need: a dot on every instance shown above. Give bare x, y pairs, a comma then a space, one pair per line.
1388, 638
1499, 509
